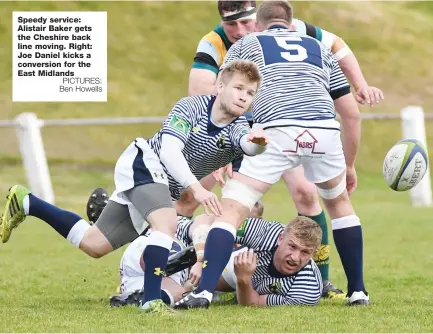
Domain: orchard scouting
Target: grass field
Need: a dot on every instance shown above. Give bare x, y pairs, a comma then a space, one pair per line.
49, 286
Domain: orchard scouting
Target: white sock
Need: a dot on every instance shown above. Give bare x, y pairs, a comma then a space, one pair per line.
344, 222
225, 226
26, 205
77, 232
160, 239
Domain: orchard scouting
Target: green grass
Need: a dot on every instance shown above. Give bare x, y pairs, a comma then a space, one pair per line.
49, 286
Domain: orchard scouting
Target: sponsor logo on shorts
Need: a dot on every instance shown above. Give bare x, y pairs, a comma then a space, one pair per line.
158, 175
305, 141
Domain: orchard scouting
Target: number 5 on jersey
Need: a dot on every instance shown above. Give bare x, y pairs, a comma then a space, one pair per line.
282, 49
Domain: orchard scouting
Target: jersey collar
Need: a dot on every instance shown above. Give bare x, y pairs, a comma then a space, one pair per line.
277, 26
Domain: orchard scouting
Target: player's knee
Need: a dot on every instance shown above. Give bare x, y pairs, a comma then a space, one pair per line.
334, 192
95, 252
305, 197
95, 244
337, 200
186, 204
241, 193
163, 220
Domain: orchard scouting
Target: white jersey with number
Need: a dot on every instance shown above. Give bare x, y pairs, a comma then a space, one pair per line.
301, 77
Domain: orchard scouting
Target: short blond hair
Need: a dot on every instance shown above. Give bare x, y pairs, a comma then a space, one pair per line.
269, 11
305, 230
246, 68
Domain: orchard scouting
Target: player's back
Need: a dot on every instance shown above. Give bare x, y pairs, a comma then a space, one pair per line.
299, 75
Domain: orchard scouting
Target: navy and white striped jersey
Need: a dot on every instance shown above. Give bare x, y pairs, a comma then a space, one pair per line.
208, 147
300, 76
182, 232
303, 288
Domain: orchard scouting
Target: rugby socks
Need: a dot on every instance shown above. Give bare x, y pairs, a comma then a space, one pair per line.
69, 225
217, 252
155, 258
347, 233
167, 298
322, 255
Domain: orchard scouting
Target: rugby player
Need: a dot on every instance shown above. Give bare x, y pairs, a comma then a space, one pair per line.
303, 87
238, 20
200, 134
283, 274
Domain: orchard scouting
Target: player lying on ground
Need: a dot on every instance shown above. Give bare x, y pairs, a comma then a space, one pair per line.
296, 106
238, 20
186, 268
201, 134
131, 273
280, 271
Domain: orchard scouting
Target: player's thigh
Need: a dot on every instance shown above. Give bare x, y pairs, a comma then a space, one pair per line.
153, 202
116, 225
296, 181
325, 160
228, 276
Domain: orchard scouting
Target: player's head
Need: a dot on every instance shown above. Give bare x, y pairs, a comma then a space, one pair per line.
237, 85
297, 244
257, 210
238, 18
274, 13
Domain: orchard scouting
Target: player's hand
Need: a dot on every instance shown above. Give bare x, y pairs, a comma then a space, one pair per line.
258, 136
219, 174
370, 95
351, 180
207, 199
245, 264
195, 273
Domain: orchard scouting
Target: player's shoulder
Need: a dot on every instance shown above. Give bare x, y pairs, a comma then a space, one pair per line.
310, 269
298, 25
255, 224
241, 120
195, 101
217, 39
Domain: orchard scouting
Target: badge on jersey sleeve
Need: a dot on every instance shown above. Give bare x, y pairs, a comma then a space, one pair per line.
180, 124
241, 231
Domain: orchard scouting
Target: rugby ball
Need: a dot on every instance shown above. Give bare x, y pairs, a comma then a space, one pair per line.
405, 165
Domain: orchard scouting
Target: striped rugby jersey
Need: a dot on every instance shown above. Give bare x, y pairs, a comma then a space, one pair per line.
303, 288
301, 77
208, 147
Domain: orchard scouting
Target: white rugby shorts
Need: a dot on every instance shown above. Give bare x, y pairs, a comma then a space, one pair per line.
137, 165
316, 145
